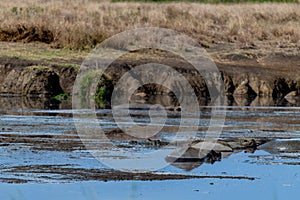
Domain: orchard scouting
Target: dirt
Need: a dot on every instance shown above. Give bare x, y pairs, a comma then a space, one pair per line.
104, 175
246, 73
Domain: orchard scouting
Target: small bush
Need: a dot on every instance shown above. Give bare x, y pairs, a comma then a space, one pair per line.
92, 86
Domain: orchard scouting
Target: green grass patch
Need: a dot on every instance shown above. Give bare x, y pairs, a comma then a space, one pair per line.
43, 54
35, 67
62, 97
92, 86
26, 10
76, 66
39, 52
100, 97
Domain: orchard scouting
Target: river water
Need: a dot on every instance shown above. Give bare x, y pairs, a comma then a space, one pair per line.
42, 157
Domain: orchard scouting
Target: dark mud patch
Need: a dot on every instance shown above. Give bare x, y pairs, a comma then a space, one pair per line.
44, 142
63, 173
13, 180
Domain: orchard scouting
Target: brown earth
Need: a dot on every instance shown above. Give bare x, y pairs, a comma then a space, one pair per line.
69, 174
246, 73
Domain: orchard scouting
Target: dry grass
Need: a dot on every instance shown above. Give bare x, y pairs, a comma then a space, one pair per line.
81, 24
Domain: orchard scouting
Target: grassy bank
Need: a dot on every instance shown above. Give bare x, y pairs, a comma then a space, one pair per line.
81, 24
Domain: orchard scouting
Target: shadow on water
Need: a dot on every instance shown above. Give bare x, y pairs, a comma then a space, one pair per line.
29, 103
32, 103
167, 100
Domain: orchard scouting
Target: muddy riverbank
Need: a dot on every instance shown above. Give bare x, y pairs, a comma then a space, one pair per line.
246, 73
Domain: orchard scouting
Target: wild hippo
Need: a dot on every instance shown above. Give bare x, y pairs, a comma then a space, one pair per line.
281, 145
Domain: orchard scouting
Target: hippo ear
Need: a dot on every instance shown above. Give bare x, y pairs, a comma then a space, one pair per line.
212, 146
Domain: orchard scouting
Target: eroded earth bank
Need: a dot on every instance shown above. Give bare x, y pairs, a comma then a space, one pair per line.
250, 75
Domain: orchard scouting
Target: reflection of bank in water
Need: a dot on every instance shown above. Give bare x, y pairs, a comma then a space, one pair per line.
170, 101
9, 102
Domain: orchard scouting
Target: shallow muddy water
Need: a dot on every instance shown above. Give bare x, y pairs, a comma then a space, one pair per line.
42, 156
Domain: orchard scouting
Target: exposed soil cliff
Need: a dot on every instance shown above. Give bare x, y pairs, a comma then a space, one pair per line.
273, 75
